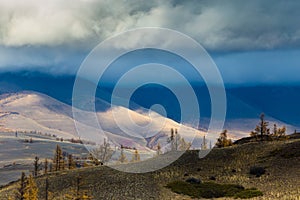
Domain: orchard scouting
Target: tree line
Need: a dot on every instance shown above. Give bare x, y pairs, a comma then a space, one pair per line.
262, 132
28, 190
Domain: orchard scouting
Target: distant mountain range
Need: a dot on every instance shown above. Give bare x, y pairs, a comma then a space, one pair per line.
244, 104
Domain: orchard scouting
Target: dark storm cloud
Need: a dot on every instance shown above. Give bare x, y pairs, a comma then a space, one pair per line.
55, 36
218, 25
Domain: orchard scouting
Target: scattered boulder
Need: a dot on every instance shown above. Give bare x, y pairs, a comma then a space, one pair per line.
257, 171
240, 187
193, 180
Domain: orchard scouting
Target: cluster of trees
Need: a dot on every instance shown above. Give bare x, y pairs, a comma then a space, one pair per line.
78, 193
223, 140
61, 139
28, 140
27, 189
204, 145
35, 132
76, 141
61, 161
102, 154
177, 143
263, 132
123, 158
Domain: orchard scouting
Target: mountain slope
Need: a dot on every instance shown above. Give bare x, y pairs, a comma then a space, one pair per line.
244, 104
32, 111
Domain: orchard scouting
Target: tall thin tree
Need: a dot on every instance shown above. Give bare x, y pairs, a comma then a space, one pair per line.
46, 166
58, 159
46, 188
36, 166
261, 129
21, 190
71, 163
122, 158
136, 156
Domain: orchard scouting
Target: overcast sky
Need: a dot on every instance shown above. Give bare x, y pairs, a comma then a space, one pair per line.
251, 41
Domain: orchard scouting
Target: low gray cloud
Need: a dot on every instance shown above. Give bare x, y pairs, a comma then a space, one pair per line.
218, 25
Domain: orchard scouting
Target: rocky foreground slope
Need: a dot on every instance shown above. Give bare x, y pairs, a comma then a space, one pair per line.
280, 159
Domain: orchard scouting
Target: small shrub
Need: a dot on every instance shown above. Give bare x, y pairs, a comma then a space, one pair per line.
258, 171
193, 180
